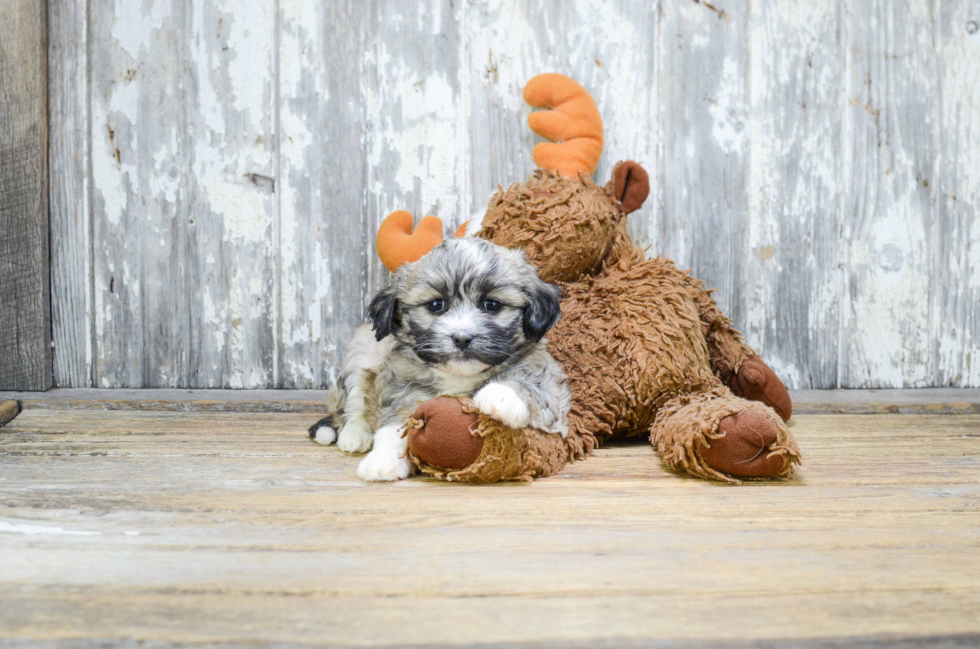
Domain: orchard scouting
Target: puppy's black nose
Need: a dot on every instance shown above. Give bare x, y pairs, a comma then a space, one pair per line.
462, 340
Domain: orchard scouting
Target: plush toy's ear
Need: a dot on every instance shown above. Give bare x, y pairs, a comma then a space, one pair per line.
543, 309
572, 123
631, 184
384, 312
397, 244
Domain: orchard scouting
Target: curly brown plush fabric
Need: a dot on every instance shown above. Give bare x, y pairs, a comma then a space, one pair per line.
643, 344
629, 339
563, 225
725, 344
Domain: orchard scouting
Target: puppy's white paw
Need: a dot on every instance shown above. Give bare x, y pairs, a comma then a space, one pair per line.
383, 465
502, 403
325, 435
355, 437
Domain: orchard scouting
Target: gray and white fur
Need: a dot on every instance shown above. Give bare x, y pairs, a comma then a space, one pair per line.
468, 319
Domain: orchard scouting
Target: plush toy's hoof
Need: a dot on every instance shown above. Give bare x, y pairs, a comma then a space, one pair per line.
444, 440
755, 381
744, 450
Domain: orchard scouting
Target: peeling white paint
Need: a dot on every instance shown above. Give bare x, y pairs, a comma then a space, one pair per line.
302, 371
250, 45
134, 26
729, 126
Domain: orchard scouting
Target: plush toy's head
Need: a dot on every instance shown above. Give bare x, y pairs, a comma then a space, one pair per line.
564, 222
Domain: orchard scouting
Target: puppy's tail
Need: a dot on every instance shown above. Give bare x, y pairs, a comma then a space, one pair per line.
325, 431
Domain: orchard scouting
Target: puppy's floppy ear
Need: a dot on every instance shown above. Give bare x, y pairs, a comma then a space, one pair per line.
543, 309
384, 312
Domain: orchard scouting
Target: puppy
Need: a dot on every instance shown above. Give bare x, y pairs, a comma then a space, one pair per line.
467, 319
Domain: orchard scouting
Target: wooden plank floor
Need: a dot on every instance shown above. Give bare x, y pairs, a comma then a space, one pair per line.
174, 527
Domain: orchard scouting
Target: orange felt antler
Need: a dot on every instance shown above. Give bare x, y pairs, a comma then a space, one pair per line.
397, 244
573, 124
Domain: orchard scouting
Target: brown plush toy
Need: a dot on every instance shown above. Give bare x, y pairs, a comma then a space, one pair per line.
645, 348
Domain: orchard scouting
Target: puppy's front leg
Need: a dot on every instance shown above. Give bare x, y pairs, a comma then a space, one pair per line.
388, 459
501, 401
355, 436
519, 404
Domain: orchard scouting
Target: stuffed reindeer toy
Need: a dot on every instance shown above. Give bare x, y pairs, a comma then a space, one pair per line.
645, 349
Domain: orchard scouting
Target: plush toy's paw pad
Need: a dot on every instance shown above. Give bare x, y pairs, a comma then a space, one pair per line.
355, 437
501, 402
383, 465
445, 440
745, 451
325, 435
755, 381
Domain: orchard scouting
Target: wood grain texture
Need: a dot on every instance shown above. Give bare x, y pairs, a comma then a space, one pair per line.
956, 248
912, 401
138, 261
230, 239
70, 183
175, 400
794, 215
814, 161
25, 290
890, 155
908, 401
325, 231
169, 527
706, 119
183, 180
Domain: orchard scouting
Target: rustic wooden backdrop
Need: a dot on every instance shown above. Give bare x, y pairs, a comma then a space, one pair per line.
219, 169
25, 302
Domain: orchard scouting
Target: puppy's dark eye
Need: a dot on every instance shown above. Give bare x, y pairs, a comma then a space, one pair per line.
436, 306
491, 305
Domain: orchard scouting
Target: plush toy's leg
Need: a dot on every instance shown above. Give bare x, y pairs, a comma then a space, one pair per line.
734, 362
756, 381
451, 441
719, 436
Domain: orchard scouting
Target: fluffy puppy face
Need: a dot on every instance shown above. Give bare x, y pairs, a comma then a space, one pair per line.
466, 306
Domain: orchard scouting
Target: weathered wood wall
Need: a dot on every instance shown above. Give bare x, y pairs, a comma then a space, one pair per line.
219, 169
25, 306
